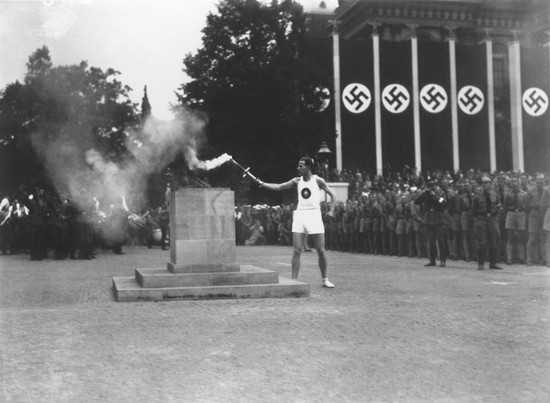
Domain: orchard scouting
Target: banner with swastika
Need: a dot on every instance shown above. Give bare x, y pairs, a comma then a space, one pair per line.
473, 121
435, 110
357, 83
535, 92
396, 111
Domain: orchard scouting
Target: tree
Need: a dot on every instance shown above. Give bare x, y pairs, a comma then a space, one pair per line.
249, 78
58, 113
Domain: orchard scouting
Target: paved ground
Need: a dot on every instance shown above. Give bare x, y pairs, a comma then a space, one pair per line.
391, 331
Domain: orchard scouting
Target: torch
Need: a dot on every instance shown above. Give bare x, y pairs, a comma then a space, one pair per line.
246, 172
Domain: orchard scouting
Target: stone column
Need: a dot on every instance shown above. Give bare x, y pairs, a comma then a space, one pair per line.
515, 105
454, 103
491, 102
377, 99
416, 100
337, 94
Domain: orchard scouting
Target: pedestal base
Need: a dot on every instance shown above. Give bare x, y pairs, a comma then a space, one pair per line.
162, 285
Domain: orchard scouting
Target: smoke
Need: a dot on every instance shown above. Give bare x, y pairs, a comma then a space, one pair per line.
78, 168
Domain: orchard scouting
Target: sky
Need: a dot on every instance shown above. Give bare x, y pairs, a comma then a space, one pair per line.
145, 40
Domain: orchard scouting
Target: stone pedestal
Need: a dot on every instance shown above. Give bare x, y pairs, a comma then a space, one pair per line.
203, 257
202, 230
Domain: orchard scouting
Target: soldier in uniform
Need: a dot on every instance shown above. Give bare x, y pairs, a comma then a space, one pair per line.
484, 210
534, 220
368, 223
59, 228
73, 234
38, 212
417, 226
402, 214
391, 224
377, 217
465, 200
85, 222
514, 207
414, 230
453, 219
434, 204
545, 207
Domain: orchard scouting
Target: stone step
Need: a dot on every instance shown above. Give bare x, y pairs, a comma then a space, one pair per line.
162, 278
128, 289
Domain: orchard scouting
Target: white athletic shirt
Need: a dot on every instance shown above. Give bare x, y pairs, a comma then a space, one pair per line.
309, 194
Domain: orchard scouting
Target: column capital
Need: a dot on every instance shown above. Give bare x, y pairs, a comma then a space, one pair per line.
451, 34
375, 28
335, 25
413, 30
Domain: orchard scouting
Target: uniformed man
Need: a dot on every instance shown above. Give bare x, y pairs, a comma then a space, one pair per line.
434, 206
484, 210
534, 220
514, 207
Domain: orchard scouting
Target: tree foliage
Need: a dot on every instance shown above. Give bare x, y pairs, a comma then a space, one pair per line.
72, 104
249, 78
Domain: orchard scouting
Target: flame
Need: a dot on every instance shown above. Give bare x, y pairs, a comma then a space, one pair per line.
195, 163
216, 162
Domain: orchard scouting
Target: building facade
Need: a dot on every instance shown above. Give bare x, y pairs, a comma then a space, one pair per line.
440, 84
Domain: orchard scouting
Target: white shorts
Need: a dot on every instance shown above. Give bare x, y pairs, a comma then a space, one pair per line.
308, 221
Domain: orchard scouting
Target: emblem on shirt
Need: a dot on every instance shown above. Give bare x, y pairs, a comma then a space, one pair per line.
306, 193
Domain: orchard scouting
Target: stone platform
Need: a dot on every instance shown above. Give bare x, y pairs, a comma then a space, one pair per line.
203, 259
129, 289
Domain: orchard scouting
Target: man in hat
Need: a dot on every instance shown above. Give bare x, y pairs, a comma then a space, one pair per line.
484, 210
535, 217
465, 201
514, 207
434, 204
307, 216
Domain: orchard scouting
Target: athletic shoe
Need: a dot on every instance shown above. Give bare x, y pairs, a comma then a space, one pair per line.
327, 283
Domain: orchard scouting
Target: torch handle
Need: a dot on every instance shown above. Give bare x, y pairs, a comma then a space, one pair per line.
246, 171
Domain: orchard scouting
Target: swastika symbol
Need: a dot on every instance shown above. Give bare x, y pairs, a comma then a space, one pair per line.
433, 98
470, 99
306, 193
356, 97
395, 98
535, 101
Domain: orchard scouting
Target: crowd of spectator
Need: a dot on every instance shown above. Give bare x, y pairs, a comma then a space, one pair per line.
44, 223
381, 216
